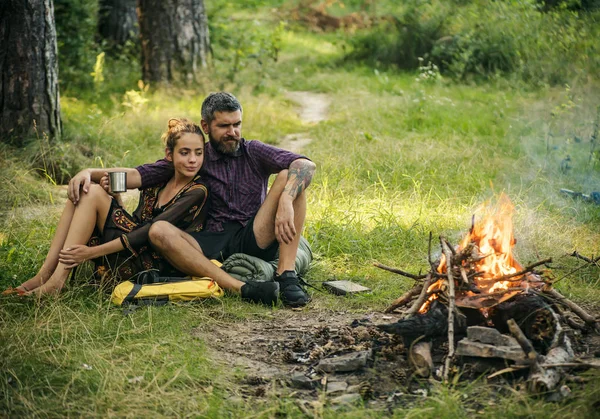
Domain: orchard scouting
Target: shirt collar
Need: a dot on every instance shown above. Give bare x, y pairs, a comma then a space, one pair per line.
214, 155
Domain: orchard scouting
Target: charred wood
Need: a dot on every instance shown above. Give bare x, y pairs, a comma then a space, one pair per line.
533, 315
432, 324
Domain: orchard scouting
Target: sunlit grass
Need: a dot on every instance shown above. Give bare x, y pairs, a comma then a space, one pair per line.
397, 159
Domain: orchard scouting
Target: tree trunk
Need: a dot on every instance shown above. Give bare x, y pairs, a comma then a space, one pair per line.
175, 40
117, 22
29, 96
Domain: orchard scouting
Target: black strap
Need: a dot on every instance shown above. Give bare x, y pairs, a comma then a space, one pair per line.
136, 288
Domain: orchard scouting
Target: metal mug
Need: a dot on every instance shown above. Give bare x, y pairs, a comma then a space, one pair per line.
117, 182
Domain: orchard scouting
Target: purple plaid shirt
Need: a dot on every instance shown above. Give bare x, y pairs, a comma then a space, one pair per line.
237, 184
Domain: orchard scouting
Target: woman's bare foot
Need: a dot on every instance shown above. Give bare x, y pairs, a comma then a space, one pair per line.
35, 282
52, 286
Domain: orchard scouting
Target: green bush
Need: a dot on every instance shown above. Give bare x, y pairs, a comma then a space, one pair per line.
484, 39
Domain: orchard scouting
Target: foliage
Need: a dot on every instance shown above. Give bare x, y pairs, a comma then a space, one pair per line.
483, 39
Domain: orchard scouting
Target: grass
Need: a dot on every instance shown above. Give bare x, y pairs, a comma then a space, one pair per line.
397, 159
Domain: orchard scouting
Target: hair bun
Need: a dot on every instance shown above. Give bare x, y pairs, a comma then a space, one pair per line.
173, 122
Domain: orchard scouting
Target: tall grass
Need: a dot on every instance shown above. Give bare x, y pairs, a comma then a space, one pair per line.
396, 159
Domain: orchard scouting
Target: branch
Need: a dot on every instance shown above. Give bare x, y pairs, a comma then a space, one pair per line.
422, 297
584, 315
577, 255
525, 343
400, 272
405, 298
524, 271
451, 306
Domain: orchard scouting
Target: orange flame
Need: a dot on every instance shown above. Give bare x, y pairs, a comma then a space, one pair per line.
492, 240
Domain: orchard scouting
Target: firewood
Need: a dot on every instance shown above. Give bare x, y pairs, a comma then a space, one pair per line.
584, 315
524, 271
525, 343
419, 301
451, 307
405, 298
400, 272
420, 358
548, 373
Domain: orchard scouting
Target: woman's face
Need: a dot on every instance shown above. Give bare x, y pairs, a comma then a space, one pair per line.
188, 155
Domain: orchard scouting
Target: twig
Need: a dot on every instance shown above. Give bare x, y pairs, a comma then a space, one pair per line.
414, 308
433, 268
451, 306
527, 269
592, 261
525, 343
584, 315
400, 272
405, 298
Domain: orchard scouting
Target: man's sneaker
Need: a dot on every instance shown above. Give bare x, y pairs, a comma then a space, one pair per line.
292, 291
266, 293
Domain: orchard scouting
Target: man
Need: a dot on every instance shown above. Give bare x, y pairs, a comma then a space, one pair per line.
242, 218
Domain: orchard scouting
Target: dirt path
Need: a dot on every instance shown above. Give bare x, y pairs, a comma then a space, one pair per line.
312, 110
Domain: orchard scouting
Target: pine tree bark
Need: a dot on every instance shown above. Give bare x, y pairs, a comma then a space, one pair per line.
175, 39
117, 22
29, 94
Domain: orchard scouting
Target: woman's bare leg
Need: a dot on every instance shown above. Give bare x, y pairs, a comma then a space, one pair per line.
91, 211
51, 260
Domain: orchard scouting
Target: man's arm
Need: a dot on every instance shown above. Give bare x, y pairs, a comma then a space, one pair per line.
300, 175
83, 179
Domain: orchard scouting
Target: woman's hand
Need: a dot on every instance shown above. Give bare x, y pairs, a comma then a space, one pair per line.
105, 185
76, 255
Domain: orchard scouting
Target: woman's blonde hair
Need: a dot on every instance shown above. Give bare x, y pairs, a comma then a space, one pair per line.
176, 127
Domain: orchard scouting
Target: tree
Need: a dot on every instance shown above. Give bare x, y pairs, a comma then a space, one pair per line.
175, 40
29, 95
117, 22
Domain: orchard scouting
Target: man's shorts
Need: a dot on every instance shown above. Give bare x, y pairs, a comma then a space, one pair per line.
235, 238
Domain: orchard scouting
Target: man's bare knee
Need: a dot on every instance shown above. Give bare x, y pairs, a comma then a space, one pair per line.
160, 232
280, 179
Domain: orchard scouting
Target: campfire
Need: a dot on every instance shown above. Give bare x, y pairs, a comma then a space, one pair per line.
506, 311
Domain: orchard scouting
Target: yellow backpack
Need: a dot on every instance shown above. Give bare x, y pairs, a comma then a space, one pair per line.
169, 289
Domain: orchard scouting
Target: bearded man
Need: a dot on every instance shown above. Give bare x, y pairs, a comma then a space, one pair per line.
242, 217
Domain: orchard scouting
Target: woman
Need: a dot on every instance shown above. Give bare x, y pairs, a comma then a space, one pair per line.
120, 243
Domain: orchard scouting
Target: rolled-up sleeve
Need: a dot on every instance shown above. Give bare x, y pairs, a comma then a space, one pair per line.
271, 158
153, 174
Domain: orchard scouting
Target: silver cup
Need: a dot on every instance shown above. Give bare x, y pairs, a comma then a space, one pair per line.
117, 182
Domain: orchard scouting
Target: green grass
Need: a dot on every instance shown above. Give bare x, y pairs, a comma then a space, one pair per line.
396, 159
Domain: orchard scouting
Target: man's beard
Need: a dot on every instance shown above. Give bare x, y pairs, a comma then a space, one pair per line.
222, 147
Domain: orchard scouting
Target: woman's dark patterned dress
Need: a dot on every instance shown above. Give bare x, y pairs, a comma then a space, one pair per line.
186, 210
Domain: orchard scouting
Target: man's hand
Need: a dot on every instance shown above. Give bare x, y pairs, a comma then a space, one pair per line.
75, 255
81, 180
285, 230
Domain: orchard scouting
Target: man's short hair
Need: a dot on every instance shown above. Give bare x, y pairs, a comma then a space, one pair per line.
219, 102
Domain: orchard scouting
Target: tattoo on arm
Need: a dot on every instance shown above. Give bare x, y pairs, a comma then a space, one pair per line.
300, 175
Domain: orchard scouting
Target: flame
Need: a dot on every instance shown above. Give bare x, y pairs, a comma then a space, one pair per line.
492, 242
